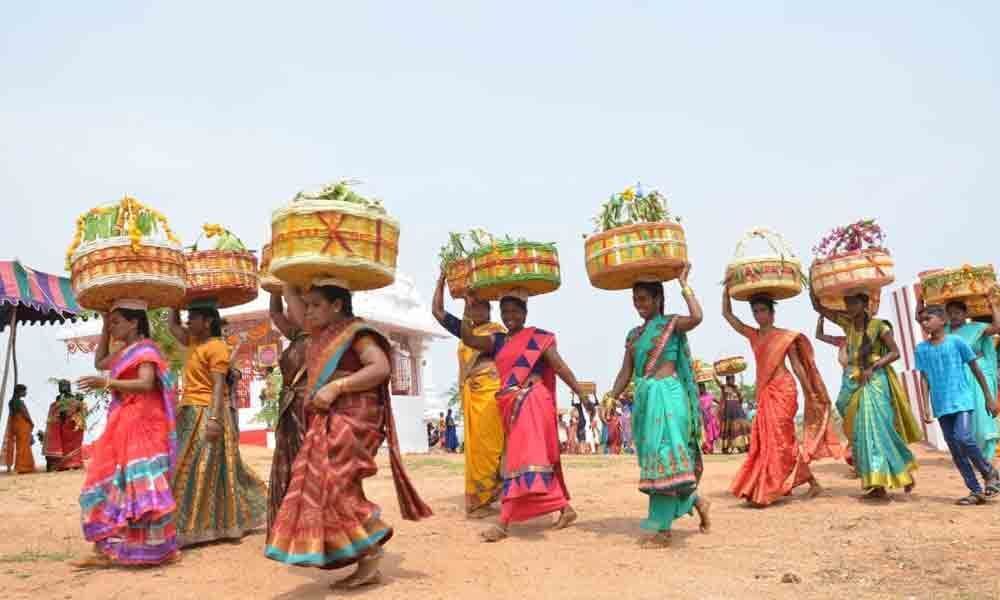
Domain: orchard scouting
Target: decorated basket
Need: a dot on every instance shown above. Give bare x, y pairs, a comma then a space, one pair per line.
966, 283
125, 250
863, 271
268, 282
227, 274
457, 275
335, 235
778, 276
618, 258
510, 265
703, 372
850, 260
733, 365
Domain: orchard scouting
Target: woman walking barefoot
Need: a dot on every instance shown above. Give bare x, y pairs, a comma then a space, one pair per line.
666, 415
777, 463
528, 362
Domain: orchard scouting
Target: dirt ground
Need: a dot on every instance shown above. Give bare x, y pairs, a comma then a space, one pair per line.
832, 547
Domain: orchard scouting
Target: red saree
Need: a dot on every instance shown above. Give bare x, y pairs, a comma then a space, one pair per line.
64, 437
533, 483
777, 463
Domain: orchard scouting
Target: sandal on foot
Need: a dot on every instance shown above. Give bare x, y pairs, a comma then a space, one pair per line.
972, 500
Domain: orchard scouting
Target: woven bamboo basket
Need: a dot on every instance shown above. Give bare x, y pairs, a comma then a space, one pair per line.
125, 250
733, 365
620, 257
227, 276
507, 266
863, 271
331, 239
457, 275
778, 276
963, 283
703, 372
268, 282
110, 269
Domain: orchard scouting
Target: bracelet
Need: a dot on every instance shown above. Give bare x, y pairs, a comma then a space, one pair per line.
687, 291
107, 384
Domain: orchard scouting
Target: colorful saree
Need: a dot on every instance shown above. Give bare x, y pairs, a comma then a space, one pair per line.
666, 422
777, 463
64, 431
734, 436
128, 508
533, 482
290, 430
218, 496
984, 426
710, 417
878, 422
613, 432
17, 439
479, 383
326, 520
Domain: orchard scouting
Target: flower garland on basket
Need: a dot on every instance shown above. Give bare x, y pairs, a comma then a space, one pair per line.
633, 205
852, 259
128, 217
865, 234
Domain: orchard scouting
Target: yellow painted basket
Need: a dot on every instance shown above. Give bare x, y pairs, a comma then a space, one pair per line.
457, 274
618, 258
507, 266
733, 365
103, 271
778, 276
864, 271
268, 282
944, 285
227, 276
329, 239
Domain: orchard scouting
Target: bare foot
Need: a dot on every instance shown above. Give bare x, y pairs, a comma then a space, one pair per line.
704, 506
815, 490
367, 572
494, 534
876, 494
662, 539
97, 561
566, 518
913, 485
483, 512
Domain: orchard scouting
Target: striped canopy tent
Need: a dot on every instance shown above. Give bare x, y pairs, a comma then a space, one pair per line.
29, 296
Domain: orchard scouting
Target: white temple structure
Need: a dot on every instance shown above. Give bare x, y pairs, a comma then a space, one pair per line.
397, 311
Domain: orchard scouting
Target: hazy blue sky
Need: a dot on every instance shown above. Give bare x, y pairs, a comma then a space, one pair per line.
518, 116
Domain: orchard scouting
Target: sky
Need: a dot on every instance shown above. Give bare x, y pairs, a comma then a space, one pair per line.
521, 117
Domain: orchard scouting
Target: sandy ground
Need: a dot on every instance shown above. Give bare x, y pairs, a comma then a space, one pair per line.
832, 547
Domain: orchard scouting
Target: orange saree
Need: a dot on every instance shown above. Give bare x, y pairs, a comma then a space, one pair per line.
777, 462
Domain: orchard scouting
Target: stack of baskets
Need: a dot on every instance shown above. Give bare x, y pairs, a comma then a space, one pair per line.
334, 236
973, 285
226, 275
777, 276
530, 268
126, 251
733, 365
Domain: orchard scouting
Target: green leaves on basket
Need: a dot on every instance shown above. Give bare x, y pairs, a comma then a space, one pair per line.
631, 206
342, 192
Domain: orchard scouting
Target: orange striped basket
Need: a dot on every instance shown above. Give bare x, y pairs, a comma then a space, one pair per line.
125, 250
347, 242
618, 258
862, 271
227, 276
778, 275
506, 266
733, 365
457, 274
268, 282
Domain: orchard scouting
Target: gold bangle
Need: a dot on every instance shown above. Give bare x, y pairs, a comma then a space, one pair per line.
687, 291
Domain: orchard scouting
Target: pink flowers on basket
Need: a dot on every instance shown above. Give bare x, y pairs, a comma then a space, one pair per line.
863, 235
